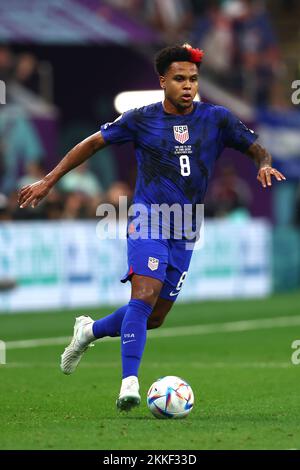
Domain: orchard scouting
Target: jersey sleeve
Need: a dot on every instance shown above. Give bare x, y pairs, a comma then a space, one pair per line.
235, 133
121, 130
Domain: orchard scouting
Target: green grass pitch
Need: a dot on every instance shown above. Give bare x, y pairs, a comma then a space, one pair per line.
246, 387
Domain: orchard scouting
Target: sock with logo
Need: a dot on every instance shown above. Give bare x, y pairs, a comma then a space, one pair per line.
110, 325
133, 336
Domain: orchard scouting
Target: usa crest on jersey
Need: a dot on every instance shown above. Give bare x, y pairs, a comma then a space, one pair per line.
181, 133
153, 263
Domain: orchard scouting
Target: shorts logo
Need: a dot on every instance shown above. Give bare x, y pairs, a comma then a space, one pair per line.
153, 263
181, 133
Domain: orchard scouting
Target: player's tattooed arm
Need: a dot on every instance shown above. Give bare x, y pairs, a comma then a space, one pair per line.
263, 161
34, 193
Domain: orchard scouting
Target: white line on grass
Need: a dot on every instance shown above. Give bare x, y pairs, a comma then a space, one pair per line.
154, 365
194, 330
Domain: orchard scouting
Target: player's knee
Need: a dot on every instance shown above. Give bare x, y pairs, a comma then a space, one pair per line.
146, 294
145, 289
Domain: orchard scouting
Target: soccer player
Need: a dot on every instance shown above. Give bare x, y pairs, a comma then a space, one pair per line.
177, 143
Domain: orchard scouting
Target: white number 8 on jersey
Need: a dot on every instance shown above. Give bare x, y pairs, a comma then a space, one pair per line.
185, 165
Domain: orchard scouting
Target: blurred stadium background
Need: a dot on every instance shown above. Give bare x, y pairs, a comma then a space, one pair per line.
63, 64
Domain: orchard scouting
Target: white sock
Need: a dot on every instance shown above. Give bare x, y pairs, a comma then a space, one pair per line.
88, 332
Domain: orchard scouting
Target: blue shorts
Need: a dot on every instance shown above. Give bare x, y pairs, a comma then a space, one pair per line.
166, 260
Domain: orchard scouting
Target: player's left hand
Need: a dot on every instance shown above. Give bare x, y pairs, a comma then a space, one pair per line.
265, 175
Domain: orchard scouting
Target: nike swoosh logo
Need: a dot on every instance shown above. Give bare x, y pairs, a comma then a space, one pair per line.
131, 341
174, 293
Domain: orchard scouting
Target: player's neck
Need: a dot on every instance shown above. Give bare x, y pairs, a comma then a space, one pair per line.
170, 108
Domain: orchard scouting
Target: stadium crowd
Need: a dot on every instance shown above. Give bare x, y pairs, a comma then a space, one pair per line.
241, 45
242, 55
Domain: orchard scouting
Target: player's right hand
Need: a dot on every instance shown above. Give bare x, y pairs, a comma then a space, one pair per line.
33, 193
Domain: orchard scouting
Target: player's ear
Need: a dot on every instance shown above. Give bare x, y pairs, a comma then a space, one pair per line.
162, 82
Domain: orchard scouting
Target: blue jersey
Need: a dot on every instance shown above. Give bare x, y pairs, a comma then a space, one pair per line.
176, 154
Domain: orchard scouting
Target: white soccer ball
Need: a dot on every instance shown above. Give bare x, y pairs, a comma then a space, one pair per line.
170, 397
